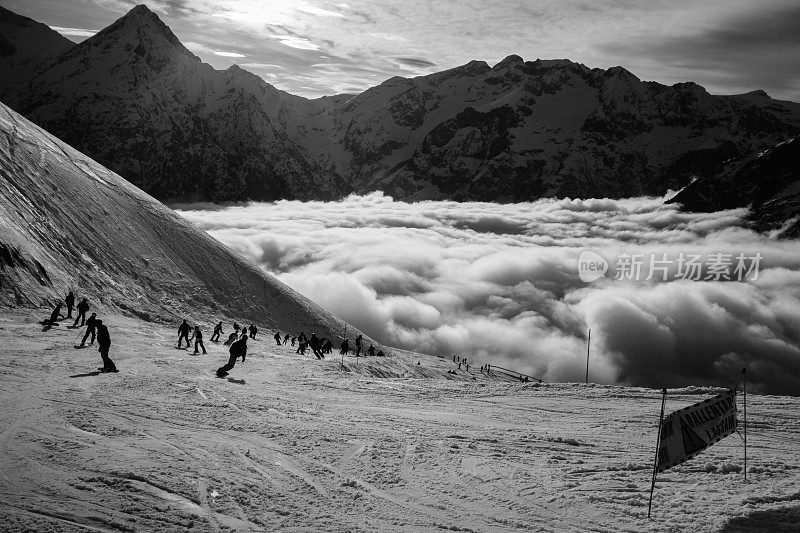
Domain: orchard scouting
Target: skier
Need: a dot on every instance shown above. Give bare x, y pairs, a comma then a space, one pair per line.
104, 340
183, 333
82, 308
233, 337
345, 348
253, 331
328, 347
301, 348
90, 329
314, 343
358, 345
237, 349
277, 337
70, 301
217, 331
286, 339
371, 350
198, 340
54, 316
294, 340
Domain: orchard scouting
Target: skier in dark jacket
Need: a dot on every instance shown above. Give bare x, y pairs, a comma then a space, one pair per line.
217, 331
313, 342
198, 340
277, 337
82, 308
90, 329
237, 349
345, 348
286, 339
253, 331
358, 345
183, 333
70, 301
233, 337
104, 340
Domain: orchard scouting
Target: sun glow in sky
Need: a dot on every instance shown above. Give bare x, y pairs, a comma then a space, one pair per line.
314, 47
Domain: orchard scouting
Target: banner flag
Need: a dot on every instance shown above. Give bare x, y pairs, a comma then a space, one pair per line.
689, 431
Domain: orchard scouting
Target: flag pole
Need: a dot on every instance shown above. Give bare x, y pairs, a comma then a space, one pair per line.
342, 351
744, 382
588, 345
658, 444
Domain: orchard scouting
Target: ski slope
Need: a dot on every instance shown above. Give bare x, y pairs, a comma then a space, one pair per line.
294, 444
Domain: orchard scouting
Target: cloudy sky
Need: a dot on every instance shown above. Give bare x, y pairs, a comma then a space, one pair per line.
315, 47
500, 284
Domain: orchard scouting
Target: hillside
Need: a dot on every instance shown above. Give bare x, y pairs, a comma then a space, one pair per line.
26, 47
68, 222
768, 182
135, 99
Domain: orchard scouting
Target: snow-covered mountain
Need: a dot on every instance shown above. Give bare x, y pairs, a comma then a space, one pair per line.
26, 46
768, 182
521, 130
138, 101
69, 222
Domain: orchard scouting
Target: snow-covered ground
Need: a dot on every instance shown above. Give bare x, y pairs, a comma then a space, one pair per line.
291, 443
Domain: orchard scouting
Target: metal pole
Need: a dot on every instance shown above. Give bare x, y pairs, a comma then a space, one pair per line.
658, 444
744, 382
588, 346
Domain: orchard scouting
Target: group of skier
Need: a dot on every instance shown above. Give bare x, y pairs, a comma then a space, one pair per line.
94, 328
236, 341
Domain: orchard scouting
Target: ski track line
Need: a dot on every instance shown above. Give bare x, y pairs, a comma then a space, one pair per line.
357, 448
188, 505
294, 468
269, 477
61, 519
202, 496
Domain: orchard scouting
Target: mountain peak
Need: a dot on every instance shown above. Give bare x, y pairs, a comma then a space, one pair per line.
142, 17
140, 30
141, 10
620, 72
510, 61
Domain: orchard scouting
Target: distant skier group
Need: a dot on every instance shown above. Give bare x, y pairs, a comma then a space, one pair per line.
94, 328
237, 340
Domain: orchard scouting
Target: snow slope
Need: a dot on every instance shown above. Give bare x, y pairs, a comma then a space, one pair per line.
295, 444
68, 222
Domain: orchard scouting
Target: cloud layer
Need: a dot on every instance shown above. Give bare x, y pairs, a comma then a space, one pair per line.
500, 284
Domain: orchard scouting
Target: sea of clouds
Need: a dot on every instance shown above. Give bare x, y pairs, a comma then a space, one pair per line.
500, 283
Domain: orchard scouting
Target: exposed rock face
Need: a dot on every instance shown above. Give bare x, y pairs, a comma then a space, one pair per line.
768, 182
134, 98
26, 47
